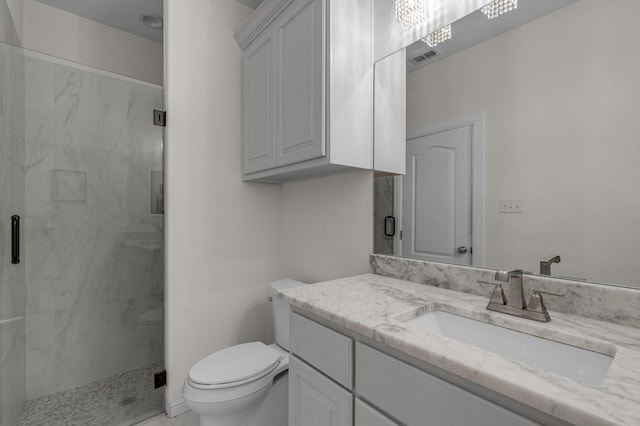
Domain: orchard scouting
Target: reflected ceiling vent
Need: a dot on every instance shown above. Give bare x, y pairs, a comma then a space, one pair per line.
417, 60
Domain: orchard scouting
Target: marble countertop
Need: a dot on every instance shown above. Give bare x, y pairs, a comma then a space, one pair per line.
376, 306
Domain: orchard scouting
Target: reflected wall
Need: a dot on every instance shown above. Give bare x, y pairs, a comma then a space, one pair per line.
561, 106
383, 194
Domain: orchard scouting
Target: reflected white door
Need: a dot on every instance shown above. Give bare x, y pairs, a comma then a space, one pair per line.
437, 197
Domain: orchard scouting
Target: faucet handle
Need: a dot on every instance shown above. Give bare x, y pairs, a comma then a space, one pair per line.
497, 296
536, 303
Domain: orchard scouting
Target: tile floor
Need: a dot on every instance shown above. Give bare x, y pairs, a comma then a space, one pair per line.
121, 400
187, 419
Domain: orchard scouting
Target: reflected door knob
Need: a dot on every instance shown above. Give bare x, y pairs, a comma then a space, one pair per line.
462, 250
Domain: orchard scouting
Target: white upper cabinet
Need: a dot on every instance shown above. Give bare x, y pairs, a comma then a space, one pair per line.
299, 85
307, 88
390, 114
259, 127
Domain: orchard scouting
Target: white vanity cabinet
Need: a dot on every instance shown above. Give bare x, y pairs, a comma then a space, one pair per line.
315, 400
320, 375
365, 415
336, 379
307, 88
416, 397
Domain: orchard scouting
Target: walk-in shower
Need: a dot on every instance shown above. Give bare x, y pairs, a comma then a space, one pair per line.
81, 316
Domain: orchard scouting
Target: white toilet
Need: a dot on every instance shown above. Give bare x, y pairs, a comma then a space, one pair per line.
235, 386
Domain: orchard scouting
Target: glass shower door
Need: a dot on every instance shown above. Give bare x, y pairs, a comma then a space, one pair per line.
12, 273
81, 314
93, 245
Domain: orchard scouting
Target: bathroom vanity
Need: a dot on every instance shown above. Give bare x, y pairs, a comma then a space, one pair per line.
359, 359
330, 370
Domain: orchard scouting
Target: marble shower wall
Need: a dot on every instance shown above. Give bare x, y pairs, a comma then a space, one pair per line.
94, 253
12, 277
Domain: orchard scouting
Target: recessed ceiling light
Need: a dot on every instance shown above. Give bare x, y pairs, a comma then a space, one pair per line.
153, 21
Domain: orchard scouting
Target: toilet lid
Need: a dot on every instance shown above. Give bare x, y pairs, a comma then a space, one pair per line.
235, 364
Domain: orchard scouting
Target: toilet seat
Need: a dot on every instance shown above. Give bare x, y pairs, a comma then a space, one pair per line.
234, 366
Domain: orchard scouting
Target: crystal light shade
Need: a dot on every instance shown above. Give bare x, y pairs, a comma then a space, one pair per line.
410, 13
438, 36
498, 7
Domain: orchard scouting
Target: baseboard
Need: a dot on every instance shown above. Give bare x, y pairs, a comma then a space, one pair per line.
177, 407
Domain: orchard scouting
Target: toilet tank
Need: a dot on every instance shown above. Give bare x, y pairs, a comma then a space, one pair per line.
280, 311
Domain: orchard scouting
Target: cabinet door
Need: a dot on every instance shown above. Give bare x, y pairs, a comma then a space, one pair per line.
315, 400
300, 83
413, 396
350, 83
368, 416
258, 103
390, 111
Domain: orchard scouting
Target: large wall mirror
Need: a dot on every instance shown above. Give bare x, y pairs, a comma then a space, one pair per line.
553, 107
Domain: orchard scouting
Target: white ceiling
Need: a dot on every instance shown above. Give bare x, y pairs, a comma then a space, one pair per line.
125, 15
122, 14
476, 28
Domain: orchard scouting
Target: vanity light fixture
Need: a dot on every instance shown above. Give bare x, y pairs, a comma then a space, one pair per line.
409, 13
498, 7
438, 36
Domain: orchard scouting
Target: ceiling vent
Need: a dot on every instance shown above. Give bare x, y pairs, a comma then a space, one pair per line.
417, 60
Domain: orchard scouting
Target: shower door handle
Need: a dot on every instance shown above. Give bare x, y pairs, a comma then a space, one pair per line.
15, 239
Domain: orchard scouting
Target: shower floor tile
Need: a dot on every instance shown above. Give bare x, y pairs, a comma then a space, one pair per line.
123, 399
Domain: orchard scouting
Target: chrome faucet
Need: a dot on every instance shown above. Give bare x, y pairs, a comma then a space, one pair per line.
545, 264
516, 291
515, 304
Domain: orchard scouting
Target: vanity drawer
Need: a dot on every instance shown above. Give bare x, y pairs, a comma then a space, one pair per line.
369, 416
323, 348
414, 397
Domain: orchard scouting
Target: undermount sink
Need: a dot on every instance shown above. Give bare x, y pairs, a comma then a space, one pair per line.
579, 364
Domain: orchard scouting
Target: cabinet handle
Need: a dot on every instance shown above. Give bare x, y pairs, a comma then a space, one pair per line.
15, 239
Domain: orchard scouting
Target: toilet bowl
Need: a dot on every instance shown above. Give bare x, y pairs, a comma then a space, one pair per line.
237, 385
